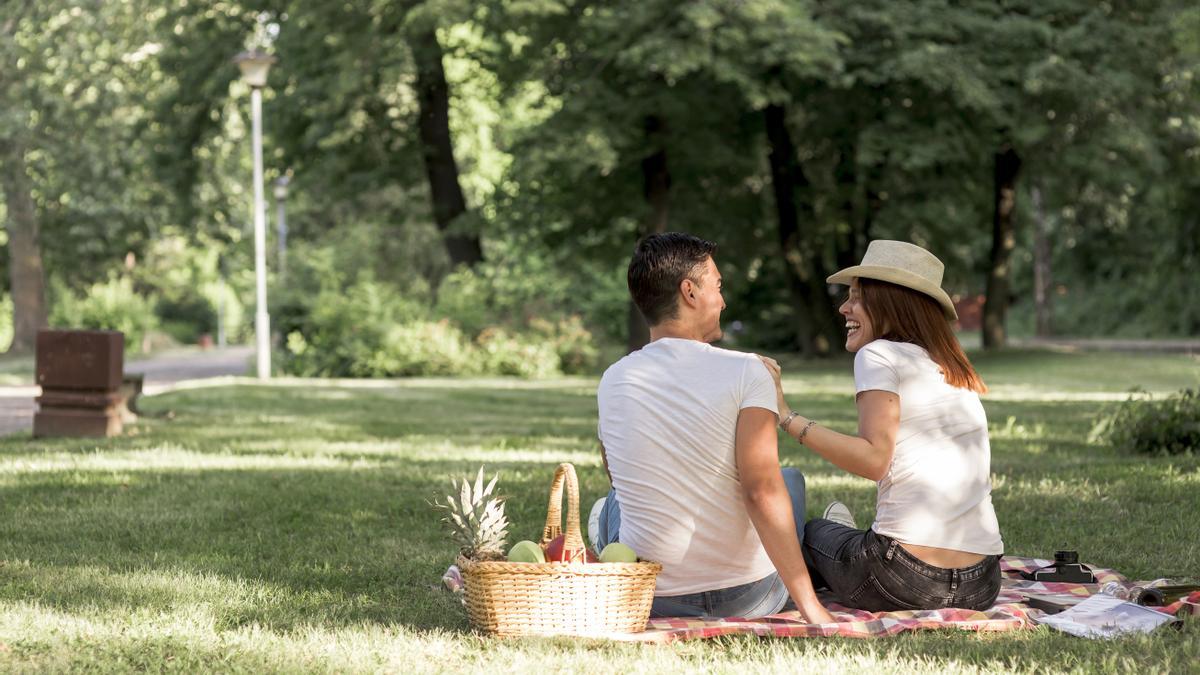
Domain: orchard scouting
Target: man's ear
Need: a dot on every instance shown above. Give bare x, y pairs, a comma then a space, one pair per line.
687, 288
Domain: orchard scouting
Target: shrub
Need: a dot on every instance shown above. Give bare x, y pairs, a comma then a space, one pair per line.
1141, 424
503, 353
420, 348
572, 342
186, 316
463, 298
109, 305
341, 332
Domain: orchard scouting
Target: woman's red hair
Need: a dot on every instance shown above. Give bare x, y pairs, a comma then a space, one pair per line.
901, 314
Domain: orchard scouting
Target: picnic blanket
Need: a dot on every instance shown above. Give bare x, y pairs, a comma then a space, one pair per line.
1008, 613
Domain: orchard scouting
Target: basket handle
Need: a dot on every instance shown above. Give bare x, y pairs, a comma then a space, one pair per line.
565, 473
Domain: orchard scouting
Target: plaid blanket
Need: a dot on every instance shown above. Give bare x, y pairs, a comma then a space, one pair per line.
1009, 613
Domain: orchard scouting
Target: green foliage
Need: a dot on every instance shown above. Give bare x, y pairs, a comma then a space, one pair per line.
368, 330
138, 131
186, 318
497, 320
1142, 424
576, 347
109, 305
6, 322
501, 353
464, 298
420, 348
341, 331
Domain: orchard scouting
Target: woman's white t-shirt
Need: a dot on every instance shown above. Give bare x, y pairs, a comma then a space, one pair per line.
938, 489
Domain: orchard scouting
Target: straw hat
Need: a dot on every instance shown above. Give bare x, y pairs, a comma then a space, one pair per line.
902, 264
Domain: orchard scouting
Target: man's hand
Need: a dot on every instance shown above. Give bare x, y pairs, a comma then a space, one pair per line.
815, 612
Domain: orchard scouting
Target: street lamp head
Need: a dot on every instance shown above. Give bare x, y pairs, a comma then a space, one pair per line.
281, 187
255, 65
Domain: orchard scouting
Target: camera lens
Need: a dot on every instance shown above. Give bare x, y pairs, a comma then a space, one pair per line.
1066, 557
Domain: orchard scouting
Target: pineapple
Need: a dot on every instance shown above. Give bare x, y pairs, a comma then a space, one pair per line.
476, 521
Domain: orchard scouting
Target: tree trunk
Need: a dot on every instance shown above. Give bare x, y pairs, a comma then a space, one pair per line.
1006, 167
1042, 277
27, 278
433, 95
816, 325
850, 240
656, 188
872, 205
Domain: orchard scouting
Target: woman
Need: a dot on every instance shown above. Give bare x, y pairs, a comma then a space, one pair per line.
922, 436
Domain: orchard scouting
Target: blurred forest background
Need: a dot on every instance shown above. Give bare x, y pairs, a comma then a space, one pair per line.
467, 179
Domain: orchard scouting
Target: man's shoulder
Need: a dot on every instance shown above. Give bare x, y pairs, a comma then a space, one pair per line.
621, 365
690, 351
730, 355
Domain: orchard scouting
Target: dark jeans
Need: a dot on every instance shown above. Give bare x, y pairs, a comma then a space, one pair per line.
870, 571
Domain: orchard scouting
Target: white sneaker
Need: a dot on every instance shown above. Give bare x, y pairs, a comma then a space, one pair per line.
838, 513
593, 522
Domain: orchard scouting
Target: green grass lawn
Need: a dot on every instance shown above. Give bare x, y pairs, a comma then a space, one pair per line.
286, 527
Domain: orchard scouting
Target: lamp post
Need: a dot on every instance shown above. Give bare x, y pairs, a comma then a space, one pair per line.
255, 65
281, 192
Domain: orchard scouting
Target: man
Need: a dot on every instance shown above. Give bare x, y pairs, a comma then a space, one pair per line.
687, 435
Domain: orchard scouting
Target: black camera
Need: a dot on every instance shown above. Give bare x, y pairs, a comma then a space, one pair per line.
1066, 568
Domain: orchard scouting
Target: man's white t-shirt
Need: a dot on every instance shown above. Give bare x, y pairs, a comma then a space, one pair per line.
938, 490
668, 417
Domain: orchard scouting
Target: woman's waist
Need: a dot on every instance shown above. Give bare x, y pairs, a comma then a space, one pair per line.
935, 562
942, 537
943, 558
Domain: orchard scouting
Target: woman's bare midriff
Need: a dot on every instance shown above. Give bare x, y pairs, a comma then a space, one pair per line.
943, 557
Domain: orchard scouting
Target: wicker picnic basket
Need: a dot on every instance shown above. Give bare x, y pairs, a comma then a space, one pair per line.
575, 598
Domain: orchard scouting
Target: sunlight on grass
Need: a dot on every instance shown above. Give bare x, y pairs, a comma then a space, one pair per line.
157, 459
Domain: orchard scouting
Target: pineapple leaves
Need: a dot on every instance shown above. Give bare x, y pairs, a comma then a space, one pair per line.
476, 521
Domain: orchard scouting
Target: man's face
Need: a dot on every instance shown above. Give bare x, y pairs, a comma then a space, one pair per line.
706, 288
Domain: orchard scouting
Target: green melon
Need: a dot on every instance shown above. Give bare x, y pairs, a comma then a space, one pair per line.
526, 552
617, 552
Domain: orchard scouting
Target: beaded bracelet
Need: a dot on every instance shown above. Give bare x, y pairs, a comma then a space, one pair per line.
804, 431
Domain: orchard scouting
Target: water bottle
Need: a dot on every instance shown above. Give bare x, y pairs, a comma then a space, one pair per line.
1141, 595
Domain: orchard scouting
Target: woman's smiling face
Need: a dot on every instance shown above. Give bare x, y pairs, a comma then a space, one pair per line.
859, 331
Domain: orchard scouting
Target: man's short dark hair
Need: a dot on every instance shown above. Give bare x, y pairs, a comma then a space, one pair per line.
660, 262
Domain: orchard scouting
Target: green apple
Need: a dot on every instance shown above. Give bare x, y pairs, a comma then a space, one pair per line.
527, 552
617, 552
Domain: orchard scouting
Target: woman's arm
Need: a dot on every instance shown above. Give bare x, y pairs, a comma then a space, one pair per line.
869, 454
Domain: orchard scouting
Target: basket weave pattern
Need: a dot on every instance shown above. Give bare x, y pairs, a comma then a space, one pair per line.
575, 598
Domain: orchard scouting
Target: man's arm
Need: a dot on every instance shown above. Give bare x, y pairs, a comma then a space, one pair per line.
770, 507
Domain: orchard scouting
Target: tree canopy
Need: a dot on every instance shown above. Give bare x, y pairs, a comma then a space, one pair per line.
1048, 152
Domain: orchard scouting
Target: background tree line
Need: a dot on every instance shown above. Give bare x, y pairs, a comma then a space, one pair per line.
488, 165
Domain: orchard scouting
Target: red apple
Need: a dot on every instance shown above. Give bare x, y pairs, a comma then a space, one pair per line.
555, 552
